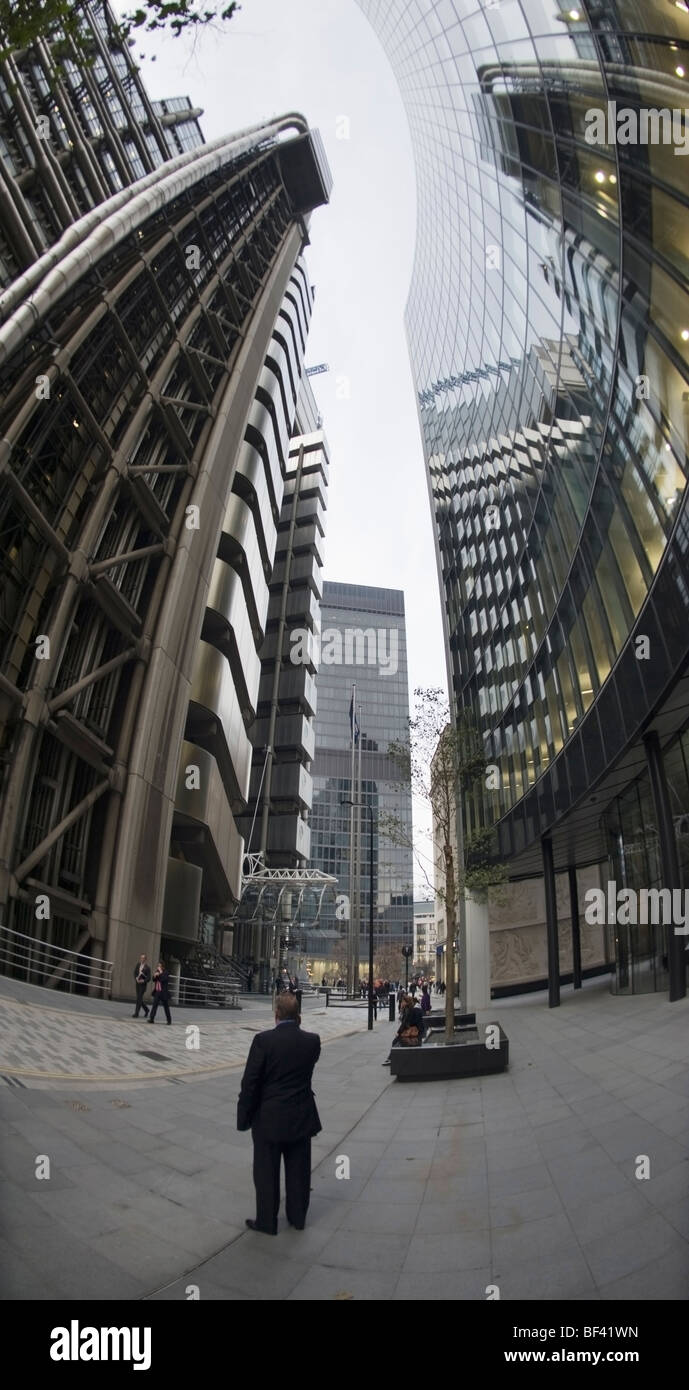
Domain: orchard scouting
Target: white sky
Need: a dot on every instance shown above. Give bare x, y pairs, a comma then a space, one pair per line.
322, 58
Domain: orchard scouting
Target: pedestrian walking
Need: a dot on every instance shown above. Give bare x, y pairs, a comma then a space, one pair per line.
161, 980
277, 1104
142, 975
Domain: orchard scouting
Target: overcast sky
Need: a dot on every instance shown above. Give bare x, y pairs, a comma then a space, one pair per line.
322, 58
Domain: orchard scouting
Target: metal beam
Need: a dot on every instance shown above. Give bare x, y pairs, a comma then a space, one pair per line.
101, 566
48, 841
66, 695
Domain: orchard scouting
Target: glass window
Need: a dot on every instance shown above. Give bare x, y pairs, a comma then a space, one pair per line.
578, 649
630, 569
597, 636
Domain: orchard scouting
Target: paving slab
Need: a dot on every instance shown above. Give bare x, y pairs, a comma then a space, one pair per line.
526, 1180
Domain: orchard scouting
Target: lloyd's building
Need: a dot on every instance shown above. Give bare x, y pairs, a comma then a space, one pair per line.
154, 310
548, 324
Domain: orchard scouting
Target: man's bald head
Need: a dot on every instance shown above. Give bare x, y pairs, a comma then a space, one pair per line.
287, 1006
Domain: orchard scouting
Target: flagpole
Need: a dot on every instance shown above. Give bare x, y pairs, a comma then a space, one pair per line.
352, 867
358, 799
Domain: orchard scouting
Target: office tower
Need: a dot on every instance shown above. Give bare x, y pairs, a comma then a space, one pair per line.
425, 937
362, 644
150, 365
548, 325
276, 823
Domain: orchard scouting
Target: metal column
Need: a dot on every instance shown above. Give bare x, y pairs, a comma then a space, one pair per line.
576, 932
551, 924
669, 860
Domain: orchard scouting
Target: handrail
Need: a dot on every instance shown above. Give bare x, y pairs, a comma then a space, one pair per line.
54, 965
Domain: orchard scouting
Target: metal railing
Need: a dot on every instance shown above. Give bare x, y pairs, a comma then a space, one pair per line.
215, 992
54, 967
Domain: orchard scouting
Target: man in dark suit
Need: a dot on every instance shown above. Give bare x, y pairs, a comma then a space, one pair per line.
142, 975
276, 1102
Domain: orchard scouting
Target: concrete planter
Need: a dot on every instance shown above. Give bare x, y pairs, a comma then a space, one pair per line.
435, 1020
468, 1055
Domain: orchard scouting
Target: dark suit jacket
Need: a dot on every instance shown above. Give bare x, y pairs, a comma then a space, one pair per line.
276, 1100
162, 993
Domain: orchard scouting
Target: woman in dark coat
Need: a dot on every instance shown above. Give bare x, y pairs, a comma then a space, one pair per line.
410, 1017
161, 981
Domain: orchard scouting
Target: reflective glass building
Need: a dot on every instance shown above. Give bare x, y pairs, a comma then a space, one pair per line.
548, 323
363, 643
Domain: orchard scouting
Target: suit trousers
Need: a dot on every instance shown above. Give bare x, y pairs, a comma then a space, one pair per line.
140, 991
164, 1004
267, 1156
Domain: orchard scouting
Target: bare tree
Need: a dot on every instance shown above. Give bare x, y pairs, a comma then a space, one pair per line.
445, 761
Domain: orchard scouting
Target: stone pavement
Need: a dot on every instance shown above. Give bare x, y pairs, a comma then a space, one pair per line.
525, 1180
48, 1038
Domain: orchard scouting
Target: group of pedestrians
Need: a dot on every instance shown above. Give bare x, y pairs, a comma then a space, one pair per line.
161, 989
286, 982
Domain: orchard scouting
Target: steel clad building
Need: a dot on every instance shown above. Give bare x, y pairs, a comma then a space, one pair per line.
155, 309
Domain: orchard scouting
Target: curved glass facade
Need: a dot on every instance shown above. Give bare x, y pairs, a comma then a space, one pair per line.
548, 323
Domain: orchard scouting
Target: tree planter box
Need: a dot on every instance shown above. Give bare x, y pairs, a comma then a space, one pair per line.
466, 1056
435, 1020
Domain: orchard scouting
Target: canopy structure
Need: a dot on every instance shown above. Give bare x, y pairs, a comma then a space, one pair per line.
286, 896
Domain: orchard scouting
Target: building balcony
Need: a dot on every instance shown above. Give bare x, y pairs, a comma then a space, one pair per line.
305, 570
297, 686
291, 782
205, 827
289, 837
307, 539
292, 732
227, 625
239, 547
214, 721
262, 491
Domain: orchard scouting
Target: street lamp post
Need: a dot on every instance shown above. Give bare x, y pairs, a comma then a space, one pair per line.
407, 951
347, 801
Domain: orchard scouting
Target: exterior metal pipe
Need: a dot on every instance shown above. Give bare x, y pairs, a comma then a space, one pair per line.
278, 653
10, 690
13, 201
65, 203
90, 238
81, 148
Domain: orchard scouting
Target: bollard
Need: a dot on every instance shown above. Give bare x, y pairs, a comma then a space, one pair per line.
327, 998
298, 997
391, 1007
